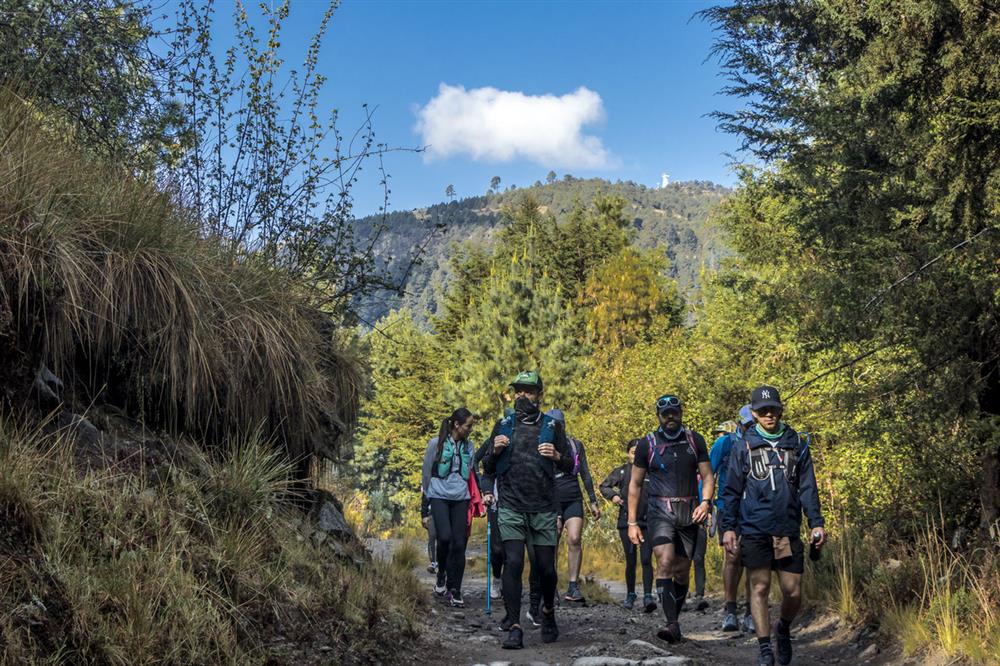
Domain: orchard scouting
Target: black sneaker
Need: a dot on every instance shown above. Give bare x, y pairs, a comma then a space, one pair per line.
550, 632
506, 623
573, 593
765, 659
648, 603
670, 633
455, 598
514, 640
782, 644
629, 600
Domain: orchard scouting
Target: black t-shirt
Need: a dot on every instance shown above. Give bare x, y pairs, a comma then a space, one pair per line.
568, 485
527, 486
678, 476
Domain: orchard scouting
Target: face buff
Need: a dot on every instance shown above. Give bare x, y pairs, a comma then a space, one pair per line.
526, 410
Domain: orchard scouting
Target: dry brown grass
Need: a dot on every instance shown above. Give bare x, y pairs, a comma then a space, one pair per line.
105, 279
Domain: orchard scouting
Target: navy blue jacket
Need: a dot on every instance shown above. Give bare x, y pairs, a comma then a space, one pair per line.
750, 506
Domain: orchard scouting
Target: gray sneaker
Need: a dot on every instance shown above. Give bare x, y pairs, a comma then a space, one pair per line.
748, 625
630, 600
729, 623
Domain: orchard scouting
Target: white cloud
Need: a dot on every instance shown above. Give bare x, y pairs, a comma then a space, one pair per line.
499, 126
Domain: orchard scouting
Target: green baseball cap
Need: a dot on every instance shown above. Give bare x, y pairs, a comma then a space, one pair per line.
528, 378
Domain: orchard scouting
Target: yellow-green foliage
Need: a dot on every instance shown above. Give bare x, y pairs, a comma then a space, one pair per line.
203, 565
100, 270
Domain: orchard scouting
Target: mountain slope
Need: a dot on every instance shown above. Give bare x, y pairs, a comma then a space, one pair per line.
674, 219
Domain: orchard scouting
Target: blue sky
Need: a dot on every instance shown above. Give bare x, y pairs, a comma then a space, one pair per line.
612, 89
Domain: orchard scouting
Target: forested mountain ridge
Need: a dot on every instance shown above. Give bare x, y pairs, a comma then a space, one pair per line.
674, 218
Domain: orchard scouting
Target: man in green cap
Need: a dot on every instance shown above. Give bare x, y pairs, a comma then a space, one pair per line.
527, 449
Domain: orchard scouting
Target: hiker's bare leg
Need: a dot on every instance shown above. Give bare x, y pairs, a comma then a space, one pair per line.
732, 571
791, 594
760, 588
574, 547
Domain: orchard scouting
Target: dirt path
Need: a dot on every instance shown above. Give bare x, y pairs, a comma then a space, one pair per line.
606, 634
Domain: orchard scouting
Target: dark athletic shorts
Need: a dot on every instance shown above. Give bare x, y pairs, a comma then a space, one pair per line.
758, 553
661, 528
572, 509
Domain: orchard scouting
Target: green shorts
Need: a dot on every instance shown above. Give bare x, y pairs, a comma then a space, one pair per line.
537, 529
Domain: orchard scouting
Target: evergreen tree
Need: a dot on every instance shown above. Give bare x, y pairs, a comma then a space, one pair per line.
404, 411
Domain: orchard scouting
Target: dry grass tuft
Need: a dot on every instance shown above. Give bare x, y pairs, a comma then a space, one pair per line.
106, 279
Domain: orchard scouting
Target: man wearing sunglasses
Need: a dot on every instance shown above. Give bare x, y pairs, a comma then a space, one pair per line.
769, 483
673, 456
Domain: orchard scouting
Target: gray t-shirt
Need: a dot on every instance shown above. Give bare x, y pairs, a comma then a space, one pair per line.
453, 486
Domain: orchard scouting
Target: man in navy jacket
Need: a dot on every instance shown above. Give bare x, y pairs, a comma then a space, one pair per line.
770, 483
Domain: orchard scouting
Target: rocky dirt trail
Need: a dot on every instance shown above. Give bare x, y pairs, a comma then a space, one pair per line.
609, 635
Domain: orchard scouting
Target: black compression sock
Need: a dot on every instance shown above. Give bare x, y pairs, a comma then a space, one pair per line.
784, 626
664, 588
731, 607
680, 595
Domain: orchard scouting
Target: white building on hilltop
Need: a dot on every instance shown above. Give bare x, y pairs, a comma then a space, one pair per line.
664, 180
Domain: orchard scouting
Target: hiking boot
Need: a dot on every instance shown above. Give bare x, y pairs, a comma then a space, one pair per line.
455, 598
550, 632
573, 593
648, 603
748, 624
432, 568
670, 633
496, 589
514, 640
782, 644
506, 623
729, 622
630, 600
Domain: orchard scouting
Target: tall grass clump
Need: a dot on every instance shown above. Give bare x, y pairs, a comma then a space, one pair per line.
204, 563
926, 595
108, 280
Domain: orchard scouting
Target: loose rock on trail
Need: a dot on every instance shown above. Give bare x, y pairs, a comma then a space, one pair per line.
609, 635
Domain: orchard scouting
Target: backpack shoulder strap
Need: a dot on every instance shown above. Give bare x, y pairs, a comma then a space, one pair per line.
690, 440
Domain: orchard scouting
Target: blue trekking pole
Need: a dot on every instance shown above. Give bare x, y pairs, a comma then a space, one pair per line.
489, 569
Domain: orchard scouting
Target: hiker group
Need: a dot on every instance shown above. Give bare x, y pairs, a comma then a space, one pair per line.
751, 489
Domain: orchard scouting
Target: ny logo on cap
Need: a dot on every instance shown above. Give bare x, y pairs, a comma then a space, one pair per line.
766, 395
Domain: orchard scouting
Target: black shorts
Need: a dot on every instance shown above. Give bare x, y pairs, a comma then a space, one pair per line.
757, 552
571, 509
661, 528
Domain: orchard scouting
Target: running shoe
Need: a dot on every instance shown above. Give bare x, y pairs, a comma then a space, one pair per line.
514, 640
630, 600
782, 644
496, 589
432, 568
455, 598
534, 615
439, 590
648, 603
729, 622
506, 623
670, 633
766, 659
550, 632
748, 624
573, 593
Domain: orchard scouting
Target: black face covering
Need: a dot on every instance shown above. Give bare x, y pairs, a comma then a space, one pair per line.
526, 409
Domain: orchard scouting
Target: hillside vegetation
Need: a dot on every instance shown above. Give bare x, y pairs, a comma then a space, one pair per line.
673, 220
172, 531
